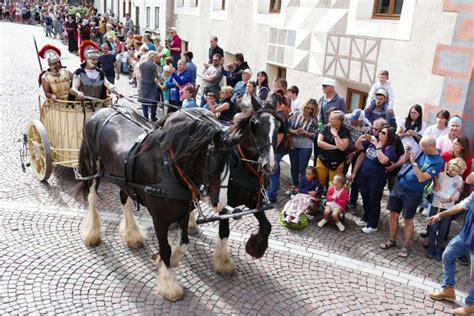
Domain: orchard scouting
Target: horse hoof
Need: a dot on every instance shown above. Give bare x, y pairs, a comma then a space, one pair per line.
137, 244
174, 295
193, 231
224, 268
256, 246
92, 241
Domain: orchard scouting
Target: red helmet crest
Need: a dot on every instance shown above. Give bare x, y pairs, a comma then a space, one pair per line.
86, 47
50, 53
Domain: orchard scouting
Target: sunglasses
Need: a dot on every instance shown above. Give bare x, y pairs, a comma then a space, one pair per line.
376, 129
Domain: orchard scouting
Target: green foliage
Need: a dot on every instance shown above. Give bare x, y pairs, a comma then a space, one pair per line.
82, 11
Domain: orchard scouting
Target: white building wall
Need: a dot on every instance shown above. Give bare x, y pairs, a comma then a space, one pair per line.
407, 46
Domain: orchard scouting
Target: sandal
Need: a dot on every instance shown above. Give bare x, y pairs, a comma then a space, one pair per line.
404, 252
388, 244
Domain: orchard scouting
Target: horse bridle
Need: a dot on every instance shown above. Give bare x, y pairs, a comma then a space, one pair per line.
257, 146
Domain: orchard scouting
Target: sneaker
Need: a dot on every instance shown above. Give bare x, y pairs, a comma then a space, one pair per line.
369, 230
420, 209
464, 310
424, 234
322, 222
340, 226
425, 212
430, 253
361, 223
446, 293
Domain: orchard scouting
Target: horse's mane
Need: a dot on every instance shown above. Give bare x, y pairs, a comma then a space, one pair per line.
240, 122
186, 137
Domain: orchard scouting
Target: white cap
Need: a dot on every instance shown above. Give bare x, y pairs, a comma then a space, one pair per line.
329, 82
381, 91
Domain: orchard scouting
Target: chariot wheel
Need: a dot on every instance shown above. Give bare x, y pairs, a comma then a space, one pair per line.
39, 150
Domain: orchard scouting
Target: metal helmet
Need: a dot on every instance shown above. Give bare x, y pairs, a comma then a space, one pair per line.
51, 53
88, 50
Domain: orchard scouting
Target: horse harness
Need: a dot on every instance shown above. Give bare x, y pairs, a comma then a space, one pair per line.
244, 174
168, 187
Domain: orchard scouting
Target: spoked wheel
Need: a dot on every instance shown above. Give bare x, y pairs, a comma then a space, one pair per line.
39, 150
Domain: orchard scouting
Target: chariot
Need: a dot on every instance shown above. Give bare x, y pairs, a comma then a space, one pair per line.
55, 138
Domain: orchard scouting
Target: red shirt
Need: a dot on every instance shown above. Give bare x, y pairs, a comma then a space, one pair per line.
175, 43
448, 155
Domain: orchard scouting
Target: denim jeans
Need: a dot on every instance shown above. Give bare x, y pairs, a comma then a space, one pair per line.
437, 232
153, 111
299, 158
453, 251
371, 189
275, 179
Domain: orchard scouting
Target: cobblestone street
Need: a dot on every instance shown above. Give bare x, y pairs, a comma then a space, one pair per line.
46, 268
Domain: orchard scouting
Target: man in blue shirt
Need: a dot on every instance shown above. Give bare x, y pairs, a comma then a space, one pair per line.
190, 66
408, 192
109, 65
460, 245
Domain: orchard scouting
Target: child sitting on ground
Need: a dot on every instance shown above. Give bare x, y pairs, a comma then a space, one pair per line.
308, 194
337, 198
450, 187
188, 101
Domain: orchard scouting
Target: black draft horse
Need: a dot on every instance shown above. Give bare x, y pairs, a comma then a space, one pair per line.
254, 158
156, 175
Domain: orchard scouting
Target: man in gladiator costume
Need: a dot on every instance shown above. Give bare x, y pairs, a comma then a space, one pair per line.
89, 80
55, 81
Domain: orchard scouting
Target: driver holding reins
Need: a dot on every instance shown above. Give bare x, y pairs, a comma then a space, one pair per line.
56, 80
89, 80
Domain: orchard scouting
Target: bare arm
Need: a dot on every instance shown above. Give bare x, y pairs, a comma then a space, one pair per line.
74, 90
322, 144
222, 107
456, 209
420, 175
47, 89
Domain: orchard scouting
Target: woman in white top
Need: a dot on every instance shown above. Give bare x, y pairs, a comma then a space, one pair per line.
411, 128
441, 126
245, 102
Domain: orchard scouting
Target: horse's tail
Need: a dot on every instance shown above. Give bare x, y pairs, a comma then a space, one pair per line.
87, 167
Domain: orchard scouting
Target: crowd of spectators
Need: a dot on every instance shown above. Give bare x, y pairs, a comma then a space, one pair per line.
368, 147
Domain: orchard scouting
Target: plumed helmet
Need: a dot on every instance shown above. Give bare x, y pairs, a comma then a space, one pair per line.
51, 53
88, 49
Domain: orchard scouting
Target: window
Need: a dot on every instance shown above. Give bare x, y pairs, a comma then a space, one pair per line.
275, 6
157, 17
218, 5
184, 45
194, 3
387, 9
355, 99
281, 73
137, 20
147, 24
124, 8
